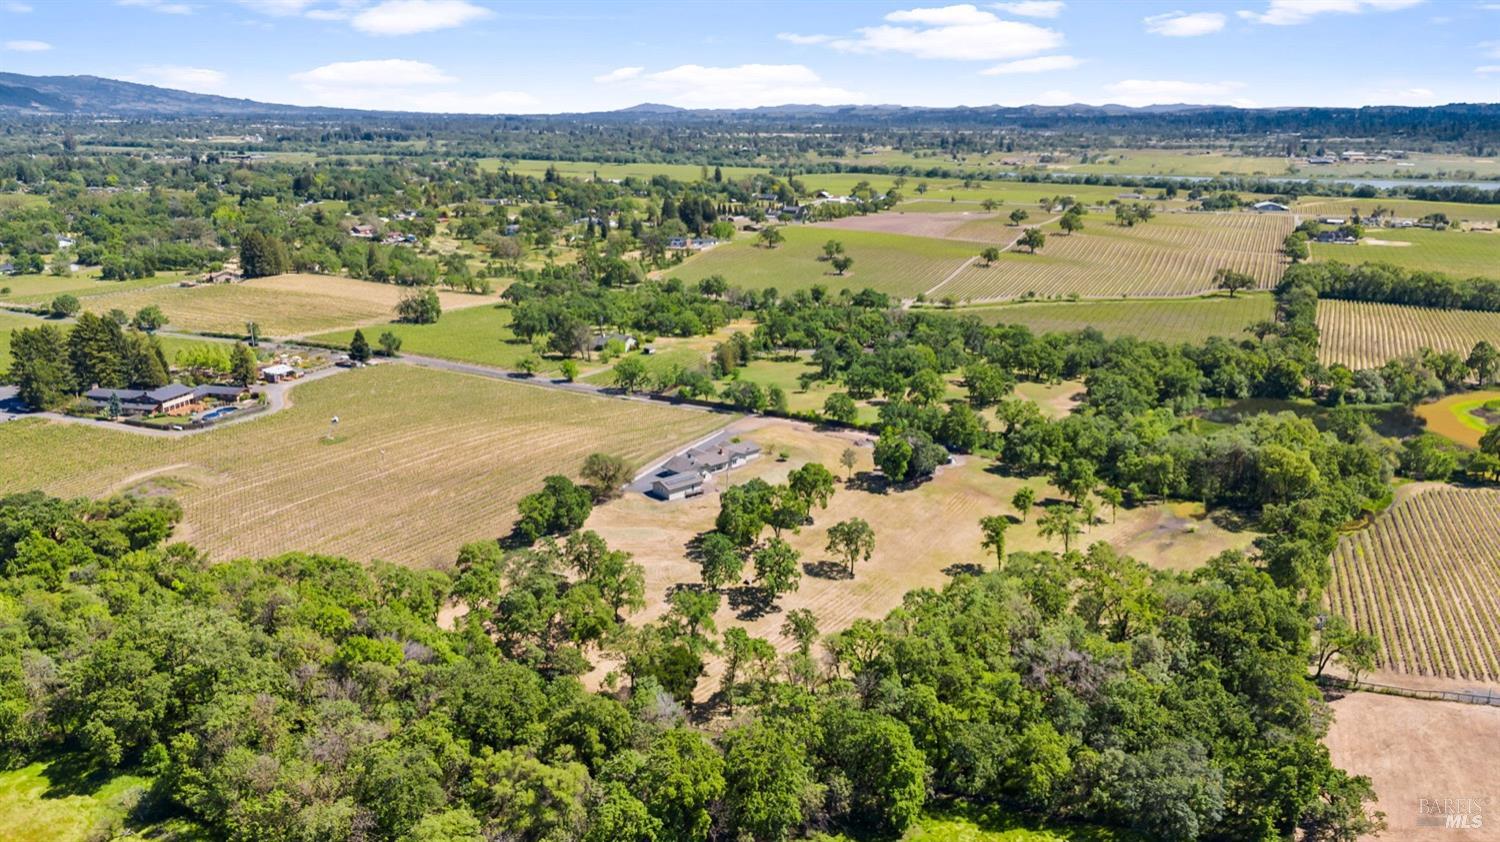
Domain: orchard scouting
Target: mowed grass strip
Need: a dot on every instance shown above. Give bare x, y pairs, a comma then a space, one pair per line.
1173, 254
1424, 579
422, 462
1363, 334
895, 264
283, 306
1163, 320
1465, 254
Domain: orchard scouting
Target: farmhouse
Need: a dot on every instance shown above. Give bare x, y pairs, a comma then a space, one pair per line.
1335, 237
171, 399
1269, 207
365, 231
1332, 220
223, 276
603, 339
683, 474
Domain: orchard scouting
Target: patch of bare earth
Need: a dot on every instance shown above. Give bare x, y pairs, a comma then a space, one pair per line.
1426, 760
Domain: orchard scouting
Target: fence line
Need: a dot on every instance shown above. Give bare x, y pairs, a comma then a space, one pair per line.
1488, 697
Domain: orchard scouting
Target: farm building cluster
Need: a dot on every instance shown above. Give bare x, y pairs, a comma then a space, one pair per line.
171, 399
685, 474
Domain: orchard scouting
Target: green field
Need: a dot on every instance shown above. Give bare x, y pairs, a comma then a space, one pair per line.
476, 335
891, 263
41, 289
1459, 253
423, 461
1409, 208
43, 803
1164, 320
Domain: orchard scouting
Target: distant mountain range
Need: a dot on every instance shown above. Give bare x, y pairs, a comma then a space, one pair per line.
97, 96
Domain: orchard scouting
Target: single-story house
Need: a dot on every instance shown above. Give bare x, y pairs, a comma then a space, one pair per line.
66, 242
365, 231
677, 486
171, 399
602, 339
220, 392
1332, 220
1130, 196
223, 276
7, 268
1335, 238
1269, 207
278, 372
1322, 160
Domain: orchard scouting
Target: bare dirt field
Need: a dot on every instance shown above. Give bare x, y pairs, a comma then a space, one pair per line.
1413, 750
922, 535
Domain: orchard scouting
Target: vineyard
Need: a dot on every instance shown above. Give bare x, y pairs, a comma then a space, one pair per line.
1424, 579
1160, 319
895, 264
1362, 334
1173, 254
422, 461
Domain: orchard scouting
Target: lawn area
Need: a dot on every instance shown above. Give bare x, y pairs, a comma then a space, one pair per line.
284, 306
41, 289
1461, 253
895, 264
8, 324
423, 461
995, 824
1164, 320
35, 808
475, 335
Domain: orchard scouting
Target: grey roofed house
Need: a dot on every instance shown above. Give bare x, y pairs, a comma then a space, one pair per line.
682, 463
170, 392
677, 486
221, 393
602, 339
101, 395
1263, 207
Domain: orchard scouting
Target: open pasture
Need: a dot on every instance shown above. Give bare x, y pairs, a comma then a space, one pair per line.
1363, 334
474, 335
1409, 208
1160, 319
283, 306
895, 264
1464, 254
1424, 579
1455, 416
1173, 254
41, 289
422, 461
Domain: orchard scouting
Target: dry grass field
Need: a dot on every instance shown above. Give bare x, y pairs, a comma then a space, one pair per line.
422, 462
283, 306
1173, 254
1413, 749
1362, 334
1161, 319
920, 533
1425, 580
970, 225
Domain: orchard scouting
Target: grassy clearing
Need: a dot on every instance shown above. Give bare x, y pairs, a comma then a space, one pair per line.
283, 306
1461, 253
1362, 334
35, 808
1424, 579
1173, 254
891, 263
1164, 320
476, 335
425, 460
1411, 208
1454, 416
41, 289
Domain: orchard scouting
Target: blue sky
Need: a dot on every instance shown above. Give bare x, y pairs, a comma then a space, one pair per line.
508, 57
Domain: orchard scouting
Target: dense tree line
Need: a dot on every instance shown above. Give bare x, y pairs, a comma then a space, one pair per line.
1387, 284
307, 697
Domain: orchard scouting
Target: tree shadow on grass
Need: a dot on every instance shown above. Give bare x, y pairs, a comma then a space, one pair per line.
869, 481
826, 569
963, 569
74, 774
750, 602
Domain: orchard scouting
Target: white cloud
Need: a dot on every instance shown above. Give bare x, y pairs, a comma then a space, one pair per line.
407, 17
962, 32
1185, 24
390, 71
161, 6
396, 84
743, 86
803, 40
1040, 64
179, 76
619, 74
1169, 91
277, 8
28, 46
14, 7
1487, 68
1289, 12
1032, 8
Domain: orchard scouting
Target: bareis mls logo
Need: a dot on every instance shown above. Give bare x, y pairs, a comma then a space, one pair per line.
1456, 813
